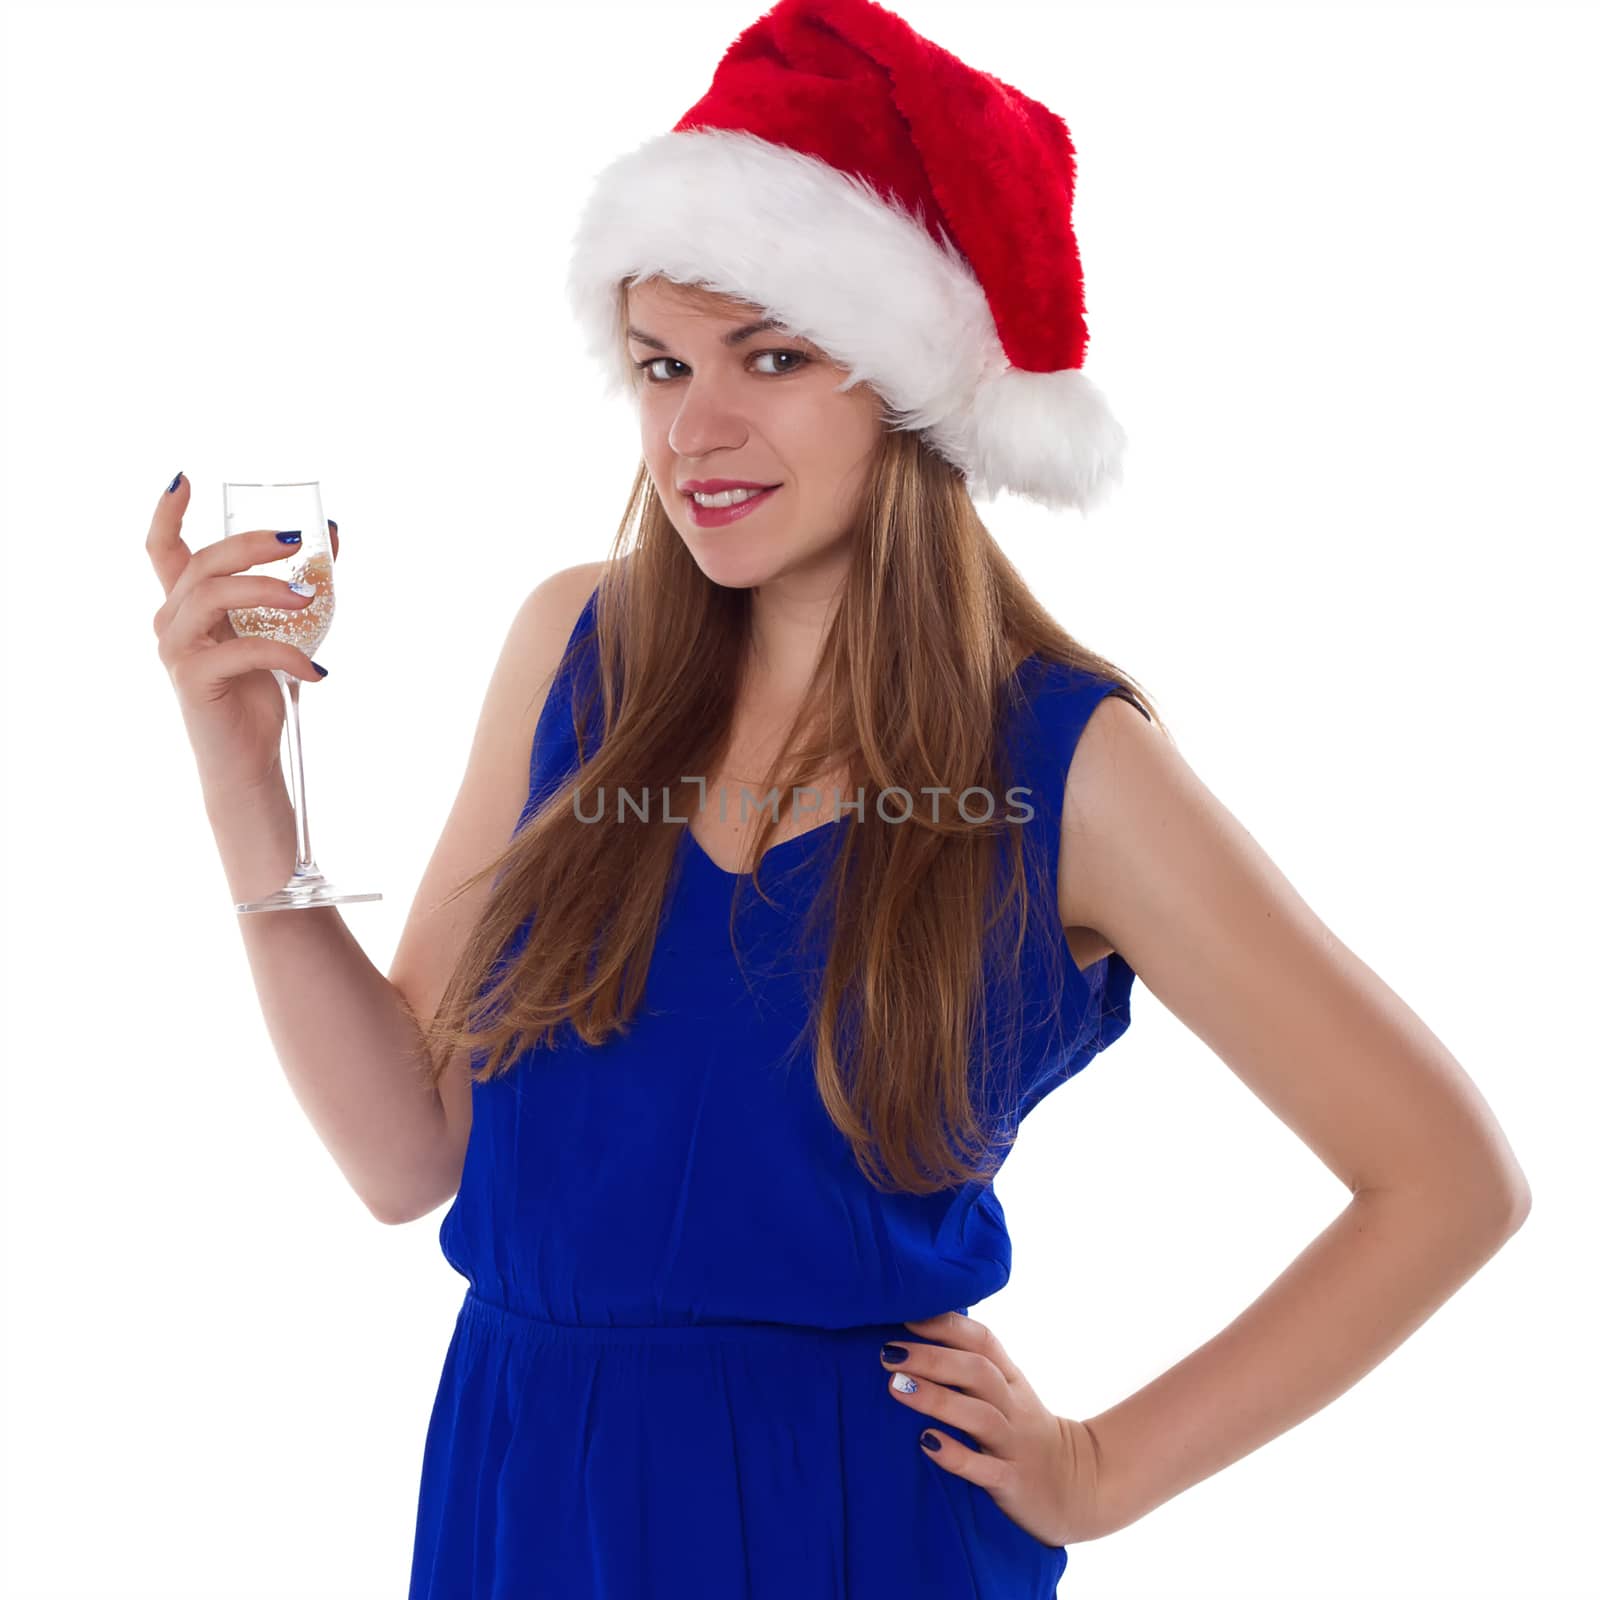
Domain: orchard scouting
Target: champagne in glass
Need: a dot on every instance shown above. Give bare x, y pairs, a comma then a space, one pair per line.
290, 505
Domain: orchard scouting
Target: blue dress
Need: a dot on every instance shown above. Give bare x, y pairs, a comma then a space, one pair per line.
664, 1381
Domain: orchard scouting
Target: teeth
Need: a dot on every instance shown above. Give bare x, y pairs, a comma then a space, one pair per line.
728, 497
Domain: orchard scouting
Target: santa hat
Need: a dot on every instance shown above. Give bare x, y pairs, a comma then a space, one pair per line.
906, 212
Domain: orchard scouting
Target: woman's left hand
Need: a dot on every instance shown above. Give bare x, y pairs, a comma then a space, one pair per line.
1041, 1469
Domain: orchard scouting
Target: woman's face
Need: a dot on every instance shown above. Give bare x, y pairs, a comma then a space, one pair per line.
762, 410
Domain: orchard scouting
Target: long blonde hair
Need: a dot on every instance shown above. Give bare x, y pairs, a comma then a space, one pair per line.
911, 686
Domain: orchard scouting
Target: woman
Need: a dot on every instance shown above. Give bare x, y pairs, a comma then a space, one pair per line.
720, 1102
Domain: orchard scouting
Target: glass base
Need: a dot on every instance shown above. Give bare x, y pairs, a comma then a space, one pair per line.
300, 893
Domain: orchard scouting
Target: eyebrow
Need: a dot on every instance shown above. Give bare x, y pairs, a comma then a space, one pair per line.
737, 336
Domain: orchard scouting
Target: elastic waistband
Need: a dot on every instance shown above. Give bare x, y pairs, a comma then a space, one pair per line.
487, 1317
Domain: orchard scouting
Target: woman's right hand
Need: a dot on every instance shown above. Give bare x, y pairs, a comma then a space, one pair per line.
232, 706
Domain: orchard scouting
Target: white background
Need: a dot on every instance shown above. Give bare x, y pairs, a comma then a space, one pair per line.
1341, 285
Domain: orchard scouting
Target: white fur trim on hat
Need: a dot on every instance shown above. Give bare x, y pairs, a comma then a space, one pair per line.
856, 274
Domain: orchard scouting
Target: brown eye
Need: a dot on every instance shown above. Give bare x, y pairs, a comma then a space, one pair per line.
798, 358
792, 355
649, 362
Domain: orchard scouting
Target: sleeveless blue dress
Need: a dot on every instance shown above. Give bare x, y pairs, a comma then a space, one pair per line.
664, 1382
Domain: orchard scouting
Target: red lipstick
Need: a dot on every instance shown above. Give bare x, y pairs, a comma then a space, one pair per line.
720, 516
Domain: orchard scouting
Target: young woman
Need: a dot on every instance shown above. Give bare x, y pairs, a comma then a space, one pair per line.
717, 1092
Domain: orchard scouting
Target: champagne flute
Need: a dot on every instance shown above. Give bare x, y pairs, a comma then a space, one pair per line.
290, 505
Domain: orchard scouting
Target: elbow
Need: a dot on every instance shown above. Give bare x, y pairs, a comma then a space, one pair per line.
1513, 1196
1505, 1201
1492, 1199
413, 1211
1519, 1202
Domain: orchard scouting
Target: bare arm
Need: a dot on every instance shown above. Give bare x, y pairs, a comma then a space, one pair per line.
346, 1041
348, 1037
486, 809
1211, 926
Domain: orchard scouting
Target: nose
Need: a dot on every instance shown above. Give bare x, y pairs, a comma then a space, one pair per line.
705, 422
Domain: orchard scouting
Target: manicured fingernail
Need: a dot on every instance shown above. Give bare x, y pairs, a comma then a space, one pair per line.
893, 1352
930, 1441
333, 525
172, 487
904, 1382
320, 668
292, 536
303, 588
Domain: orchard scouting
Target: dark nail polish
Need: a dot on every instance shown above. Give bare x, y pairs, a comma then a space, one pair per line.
893, 1352
320, 668
332, 525
931, 1440
291, 537
172, 488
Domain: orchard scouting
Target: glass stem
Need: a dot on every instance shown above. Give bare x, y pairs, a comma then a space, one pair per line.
304, 866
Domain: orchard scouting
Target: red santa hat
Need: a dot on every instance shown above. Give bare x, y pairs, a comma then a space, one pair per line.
906, 212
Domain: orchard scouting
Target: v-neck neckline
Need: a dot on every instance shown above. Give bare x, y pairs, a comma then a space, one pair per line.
772, 852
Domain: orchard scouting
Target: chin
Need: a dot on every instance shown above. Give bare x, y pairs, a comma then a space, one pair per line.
736, 569
734, 558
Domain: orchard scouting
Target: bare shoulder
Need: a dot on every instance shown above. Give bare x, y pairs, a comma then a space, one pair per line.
493, 791
1123, 766
1165, 873
539, 632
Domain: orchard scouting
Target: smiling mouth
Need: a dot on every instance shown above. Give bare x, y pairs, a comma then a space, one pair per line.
753, 488
719, 516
